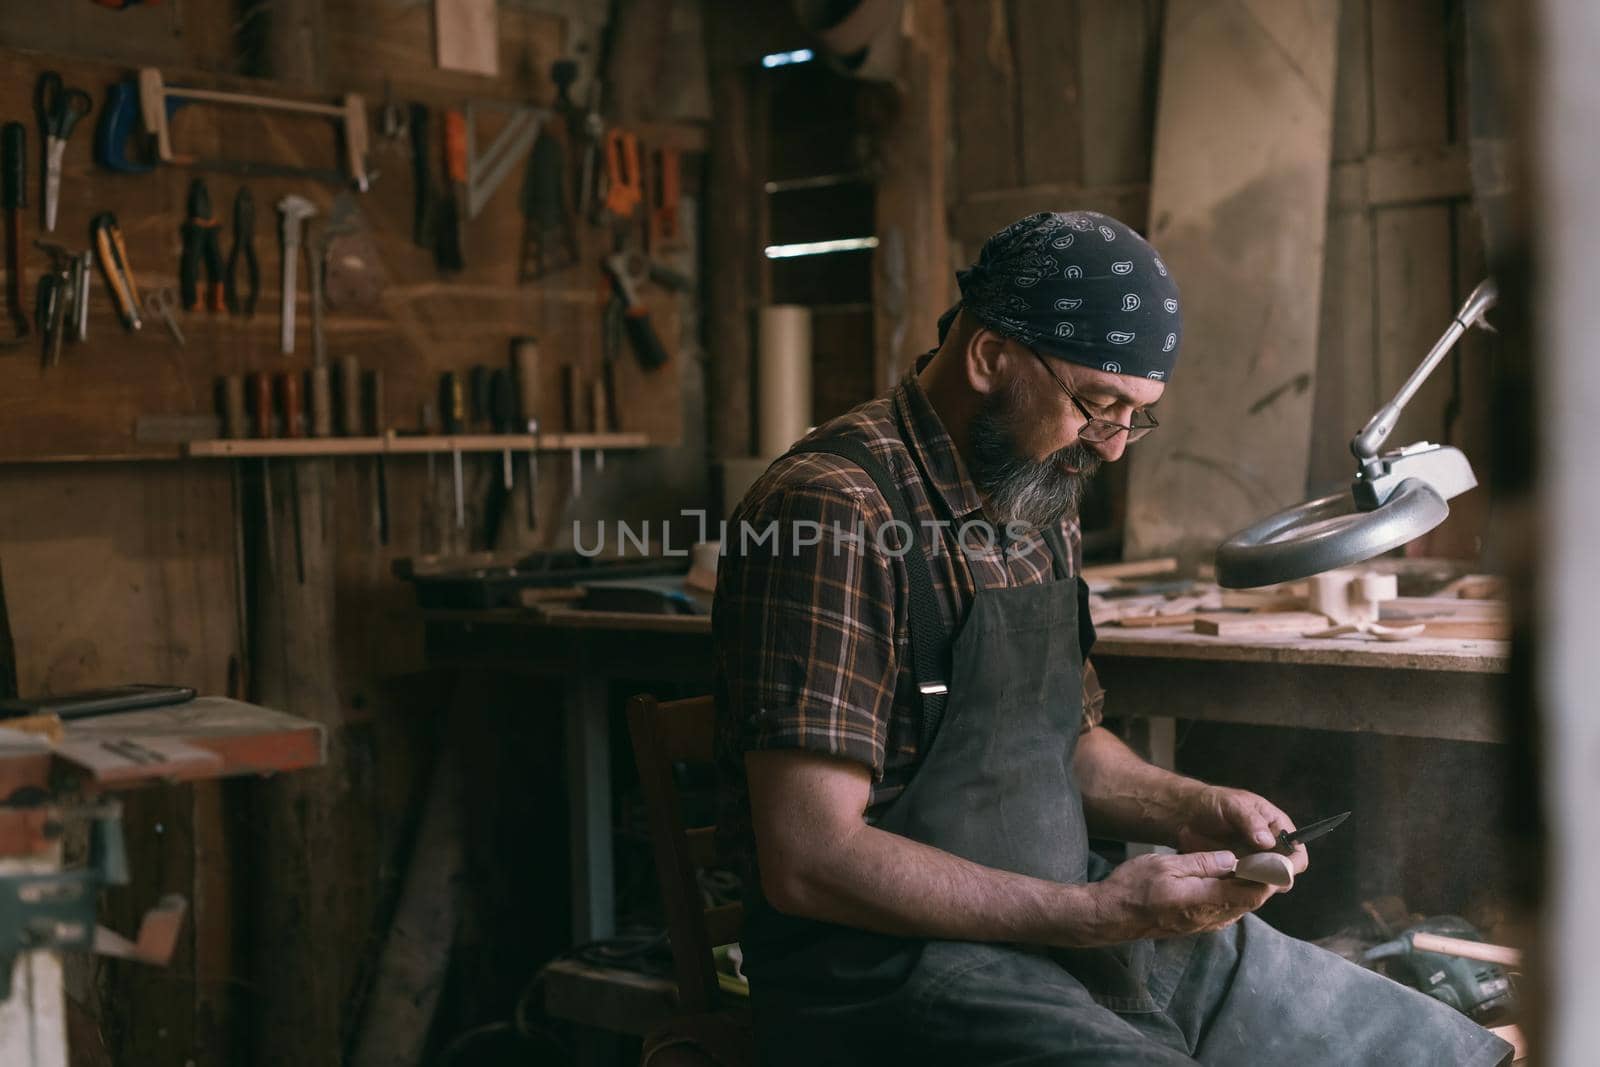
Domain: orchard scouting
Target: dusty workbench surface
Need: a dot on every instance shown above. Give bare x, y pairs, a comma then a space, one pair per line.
208, 737
1422, 653
1418, 653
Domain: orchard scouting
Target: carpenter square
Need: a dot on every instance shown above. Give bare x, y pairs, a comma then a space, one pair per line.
486, 172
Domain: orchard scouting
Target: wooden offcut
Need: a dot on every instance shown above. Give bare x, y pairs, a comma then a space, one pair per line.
1238, 208
468, 35
1269, 622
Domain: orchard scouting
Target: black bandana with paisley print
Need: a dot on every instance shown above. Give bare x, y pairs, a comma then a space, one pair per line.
1080, 286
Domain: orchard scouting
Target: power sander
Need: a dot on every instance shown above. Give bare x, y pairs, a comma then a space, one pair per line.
1475, 988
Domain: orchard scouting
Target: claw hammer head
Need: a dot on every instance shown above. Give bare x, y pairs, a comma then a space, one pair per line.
295, 210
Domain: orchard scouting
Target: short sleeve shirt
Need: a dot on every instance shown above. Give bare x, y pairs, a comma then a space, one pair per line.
810, 620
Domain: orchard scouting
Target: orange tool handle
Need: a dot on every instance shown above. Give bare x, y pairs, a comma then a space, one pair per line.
261, 403
455, 146
127, 268
289, 390
624, 190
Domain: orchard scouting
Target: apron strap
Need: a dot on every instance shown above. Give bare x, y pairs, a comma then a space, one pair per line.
930, 640
1058, 550
1063, 569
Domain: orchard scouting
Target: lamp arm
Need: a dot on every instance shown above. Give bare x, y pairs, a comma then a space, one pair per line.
1365, 444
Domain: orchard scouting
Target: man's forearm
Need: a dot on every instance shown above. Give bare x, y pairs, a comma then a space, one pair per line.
1126, 798
890, 884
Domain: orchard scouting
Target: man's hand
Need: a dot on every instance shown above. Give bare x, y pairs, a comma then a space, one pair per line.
1237, 820
1157, 895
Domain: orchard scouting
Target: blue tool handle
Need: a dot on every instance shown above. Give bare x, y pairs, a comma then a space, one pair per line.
119, 120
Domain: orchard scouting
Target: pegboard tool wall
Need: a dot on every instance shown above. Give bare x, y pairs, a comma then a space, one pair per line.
427, 322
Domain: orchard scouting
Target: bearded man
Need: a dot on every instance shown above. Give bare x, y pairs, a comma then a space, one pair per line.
910, 738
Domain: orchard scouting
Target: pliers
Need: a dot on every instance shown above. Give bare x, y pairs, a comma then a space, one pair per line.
200, 248
244, 237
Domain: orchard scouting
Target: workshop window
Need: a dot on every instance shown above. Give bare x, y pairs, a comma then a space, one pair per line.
820, 192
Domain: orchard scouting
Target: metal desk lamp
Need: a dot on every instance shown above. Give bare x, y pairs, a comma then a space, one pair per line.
1396, 497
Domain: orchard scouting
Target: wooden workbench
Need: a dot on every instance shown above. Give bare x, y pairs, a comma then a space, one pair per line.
1433, 688
210, 737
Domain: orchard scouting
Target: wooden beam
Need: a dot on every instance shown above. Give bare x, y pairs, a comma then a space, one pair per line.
911, 271
1401, 176
302, 824
733, 268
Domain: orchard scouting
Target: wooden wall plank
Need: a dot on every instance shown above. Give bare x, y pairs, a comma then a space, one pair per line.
1346, 390
1044, 35
150, 35
1414, 284
1410, 75
978, 216
1412, 245
985, 107
373, 40
1352, 102
1417, 174
1239, 212
1470, 408
1119, 51
912, 280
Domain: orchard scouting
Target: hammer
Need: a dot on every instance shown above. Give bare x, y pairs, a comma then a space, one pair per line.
294, 210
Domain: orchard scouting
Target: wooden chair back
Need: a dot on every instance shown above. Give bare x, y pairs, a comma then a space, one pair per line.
682, 731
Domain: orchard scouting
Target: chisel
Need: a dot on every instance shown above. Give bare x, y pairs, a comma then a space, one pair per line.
14, 195
525, 367
380, 430
289, 384
453, 406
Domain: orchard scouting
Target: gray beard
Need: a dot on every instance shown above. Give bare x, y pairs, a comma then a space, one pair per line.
1034, 492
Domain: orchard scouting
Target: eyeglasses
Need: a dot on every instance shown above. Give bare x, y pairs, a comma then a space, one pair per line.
1095, 430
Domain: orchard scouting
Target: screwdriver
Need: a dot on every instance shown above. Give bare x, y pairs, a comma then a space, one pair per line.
289, 390
525, 361
453, 406
261, 412
14, 196
380, 430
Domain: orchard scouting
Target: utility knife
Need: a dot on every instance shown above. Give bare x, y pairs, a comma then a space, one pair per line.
1307, 833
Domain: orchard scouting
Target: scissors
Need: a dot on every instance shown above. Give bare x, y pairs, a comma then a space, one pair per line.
161, 303
59, 109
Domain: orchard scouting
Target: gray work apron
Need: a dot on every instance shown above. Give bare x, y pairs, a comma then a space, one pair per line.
995, 786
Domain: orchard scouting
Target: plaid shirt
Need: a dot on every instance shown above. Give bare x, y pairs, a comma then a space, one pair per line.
812, 640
